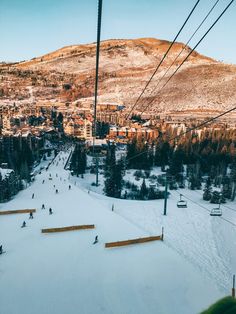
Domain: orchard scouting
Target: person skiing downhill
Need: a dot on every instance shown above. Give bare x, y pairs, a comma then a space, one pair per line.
33, 195
31, 215
23, 224
96, 240
56, 191
50, 211
69, 187
43, 206
1, 250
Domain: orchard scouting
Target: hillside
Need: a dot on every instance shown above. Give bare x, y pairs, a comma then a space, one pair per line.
125, 67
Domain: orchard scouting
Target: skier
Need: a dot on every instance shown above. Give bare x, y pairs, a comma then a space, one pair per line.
32, 195
1, 250
69, 187
96, 240
54, 185
43, 207
43, 181
23, 224
56, 191
50, 211
31, 215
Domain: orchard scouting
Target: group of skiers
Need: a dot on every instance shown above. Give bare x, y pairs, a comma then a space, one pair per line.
31, 216
43, 207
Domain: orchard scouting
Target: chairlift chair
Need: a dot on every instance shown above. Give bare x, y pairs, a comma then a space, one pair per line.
181, 203
216, 211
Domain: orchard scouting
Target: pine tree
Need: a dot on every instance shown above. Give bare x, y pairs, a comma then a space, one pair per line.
233, 180
152, 194
114, 172
217, 198
79, 159
207, 190
143, 190
226, 189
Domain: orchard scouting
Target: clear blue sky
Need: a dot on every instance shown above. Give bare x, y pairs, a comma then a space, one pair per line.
30, 28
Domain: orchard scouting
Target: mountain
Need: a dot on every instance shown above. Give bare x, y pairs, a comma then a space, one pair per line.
67, 74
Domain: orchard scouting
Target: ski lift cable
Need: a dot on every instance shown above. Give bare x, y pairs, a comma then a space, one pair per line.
163, 58
185, 46
189, 130
230, 208
190, 53
183, 133
230, 222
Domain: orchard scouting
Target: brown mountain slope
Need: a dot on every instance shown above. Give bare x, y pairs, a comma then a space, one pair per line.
125, 67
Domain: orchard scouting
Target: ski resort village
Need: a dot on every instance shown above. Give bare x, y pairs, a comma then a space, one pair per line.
117, 157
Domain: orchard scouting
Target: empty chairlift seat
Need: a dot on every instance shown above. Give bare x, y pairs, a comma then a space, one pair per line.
181, 203
216, 212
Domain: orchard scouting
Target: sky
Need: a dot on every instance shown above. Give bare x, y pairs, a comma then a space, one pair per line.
31, 28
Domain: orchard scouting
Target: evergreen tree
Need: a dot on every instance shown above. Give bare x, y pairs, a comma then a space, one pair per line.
79, 159
143, 190
114, 172
152, 195
233, 180
207, 190
217, 198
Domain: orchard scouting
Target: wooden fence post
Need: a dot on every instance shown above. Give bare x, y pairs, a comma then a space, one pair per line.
162, 233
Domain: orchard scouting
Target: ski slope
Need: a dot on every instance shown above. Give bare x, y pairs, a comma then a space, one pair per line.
65, 273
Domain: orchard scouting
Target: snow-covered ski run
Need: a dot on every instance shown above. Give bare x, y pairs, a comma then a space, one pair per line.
65, 273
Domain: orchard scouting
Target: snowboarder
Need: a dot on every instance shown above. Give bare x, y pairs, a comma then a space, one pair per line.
56, 191
31, 215
96, 240
23, 224
50, 211
1, 250
32, 195
69, 187
43, 206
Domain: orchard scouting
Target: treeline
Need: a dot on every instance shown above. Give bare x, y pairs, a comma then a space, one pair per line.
196, 156
18, 155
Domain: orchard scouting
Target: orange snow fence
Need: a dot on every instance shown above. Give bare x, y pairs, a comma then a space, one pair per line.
134, 241
17, 211
70, 228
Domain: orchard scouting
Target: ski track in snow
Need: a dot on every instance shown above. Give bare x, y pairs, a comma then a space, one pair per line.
191, 231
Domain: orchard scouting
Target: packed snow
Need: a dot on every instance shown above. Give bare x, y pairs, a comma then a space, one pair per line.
65, 273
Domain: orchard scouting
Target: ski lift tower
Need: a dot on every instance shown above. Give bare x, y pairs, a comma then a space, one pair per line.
95, 154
